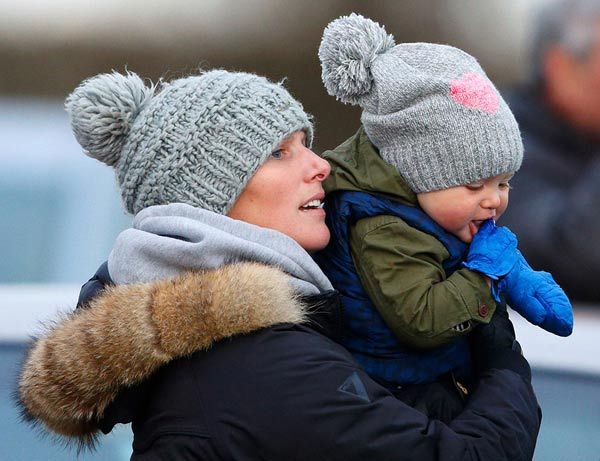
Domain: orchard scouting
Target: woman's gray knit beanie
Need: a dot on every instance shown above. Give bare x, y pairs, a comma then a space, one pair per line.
198, 140
429, 109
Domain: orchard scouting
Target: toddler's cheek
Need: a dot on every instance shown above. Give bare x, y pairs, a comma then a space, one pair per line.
451, 220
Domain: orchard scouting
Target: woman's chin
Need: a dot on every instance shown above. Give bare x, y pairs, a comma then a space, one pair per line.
317, 241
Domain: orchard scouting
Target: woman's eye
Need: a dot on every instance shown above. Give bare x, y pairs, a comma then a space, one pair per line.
505, 185
278, 154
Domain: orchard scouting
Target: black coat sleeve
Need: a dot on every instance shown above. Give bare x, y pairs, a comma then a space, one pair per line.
355, 418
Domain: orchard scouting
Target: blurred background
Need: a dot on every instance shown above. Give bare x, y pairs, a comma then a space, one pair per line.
60, 210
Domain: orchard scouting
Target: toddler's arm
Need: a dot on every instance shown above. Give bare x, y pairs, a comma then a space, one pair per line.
533, 294
401, 270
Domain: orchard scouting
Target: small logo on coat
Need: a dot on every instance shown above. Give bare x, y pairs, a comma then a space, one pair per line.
354, 386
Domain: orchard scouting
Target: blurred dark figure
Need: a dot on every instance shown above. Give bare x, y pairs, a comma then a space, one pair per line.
555, 204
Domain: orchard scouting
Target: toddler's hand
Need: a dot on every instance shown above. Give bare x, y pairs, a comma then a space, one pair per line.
537, 297
493, 251
533, 294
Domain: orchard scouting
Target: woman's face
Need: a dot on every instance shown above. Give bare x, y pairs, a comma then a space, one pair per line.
286, 194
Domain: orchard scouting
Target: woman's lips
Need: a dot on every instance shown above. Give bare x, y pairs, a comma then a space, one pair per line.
314, 207
313, 211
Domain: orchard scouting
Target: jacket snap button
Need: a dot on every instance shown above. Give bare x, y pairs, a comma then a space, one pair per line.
483, 309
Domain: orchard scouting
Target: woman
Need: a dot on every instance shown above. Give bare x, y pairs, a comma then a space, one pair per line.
217, 339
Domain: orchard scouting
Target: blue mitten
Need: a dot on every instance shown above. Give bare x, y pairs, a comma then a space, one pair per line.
537, 297
533, 294
493, 251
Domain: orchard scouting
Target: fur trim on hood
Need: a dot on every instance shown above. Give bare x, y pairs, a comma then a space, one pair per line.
76, 369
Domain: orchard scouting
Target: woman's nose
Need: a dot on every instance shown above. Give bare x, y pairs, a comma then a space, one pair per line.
320, 167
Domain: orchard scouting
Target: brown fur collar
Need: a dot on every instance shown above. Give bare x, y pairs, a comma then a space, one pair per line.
77, 368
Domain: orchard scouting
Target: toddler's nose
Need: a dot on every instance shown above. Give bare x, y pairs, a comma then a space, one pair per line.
492, 200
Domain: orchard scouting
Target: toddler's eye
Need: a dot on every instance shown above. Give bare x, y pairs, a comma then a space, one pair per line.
475, 186
278, 154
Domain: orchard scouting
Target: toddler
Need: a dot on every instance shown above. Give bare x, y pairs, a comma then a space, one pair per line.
412, 202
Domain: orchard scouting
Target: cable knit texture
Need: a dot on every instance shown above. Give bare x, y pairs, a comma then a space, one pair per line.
197, 141
429, 109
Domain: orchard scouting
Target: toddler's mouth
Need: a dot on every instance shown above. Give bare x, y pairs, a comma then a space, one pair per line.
475, 225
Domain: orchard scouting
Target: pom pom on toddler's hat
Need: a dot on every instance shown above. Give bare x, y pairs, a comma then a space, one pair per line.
196, 140
429, 109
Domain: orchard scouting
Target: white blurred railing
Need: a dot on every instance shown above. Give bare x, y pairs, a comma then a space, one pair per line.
579, 352
26, 307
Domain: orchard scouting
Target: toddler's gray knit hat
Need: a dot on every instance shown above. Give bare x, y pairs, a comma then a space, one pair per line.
198, 140
429, 109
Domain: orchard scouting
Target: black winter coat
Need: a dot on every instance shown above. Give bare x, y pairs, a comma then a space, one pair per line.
281, 392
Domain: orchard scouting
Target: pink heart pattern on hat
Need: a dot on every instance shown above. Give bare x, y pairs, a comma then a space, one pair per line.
476, 92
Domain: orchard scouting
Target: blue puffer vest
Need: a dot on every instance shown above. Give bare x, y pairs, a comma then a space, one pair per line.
366, 335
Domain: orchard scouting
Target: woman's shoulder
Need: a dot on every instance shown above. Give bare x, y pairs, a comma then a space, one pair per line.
124, 335
264, 354
261, 386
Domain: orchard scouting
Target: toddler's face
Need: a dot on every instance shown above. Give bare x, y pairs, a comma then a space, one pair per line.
461, 210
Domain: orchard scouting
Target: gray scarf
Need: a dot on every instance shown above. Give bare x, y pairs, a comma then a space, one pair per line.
167, 240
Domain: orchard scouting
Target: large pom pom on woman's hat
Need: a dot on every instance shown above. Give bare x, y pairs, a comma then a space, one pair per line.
348, 48
102, 110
